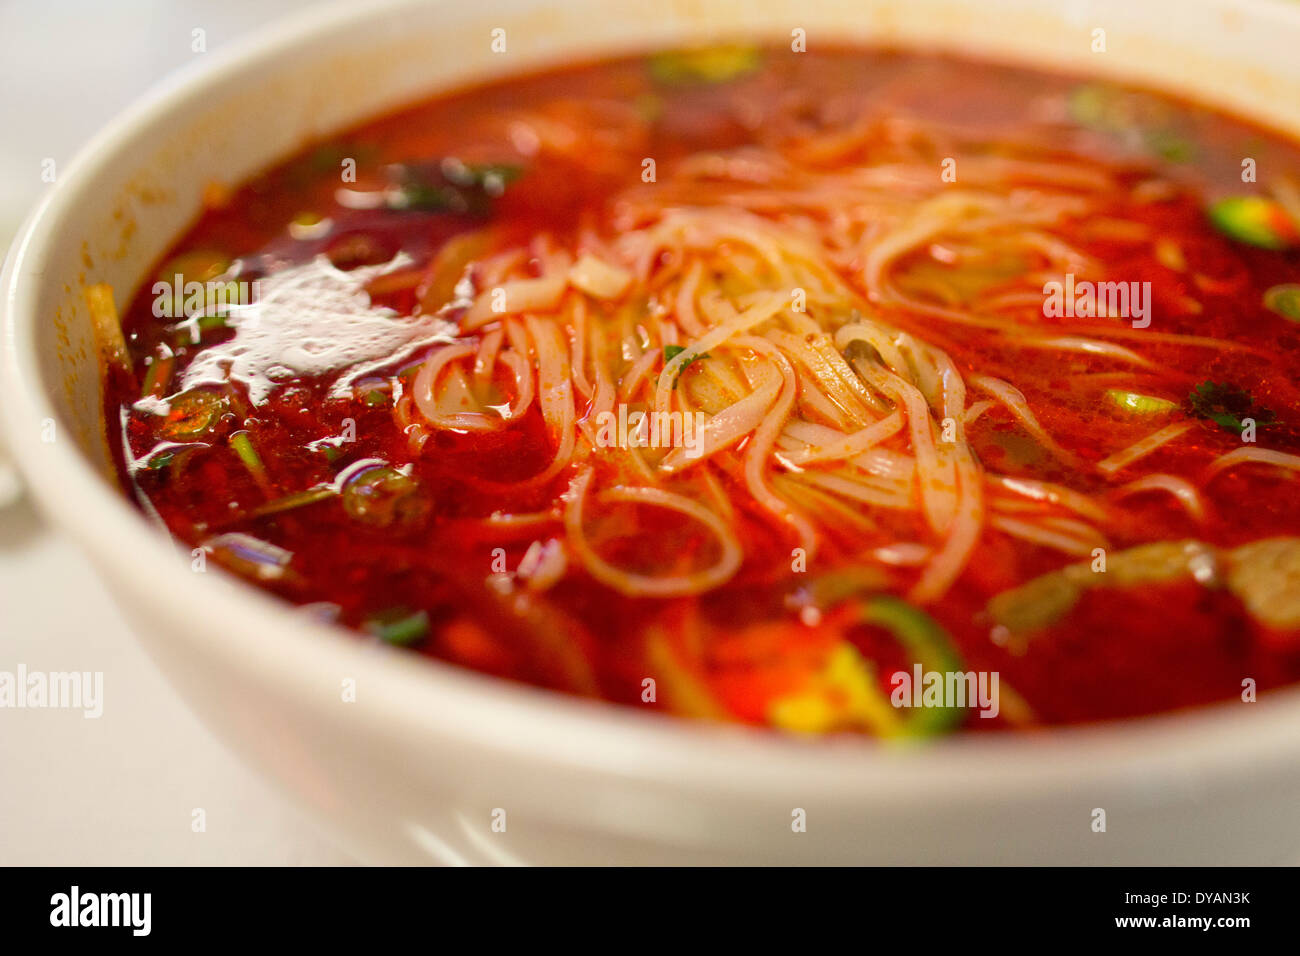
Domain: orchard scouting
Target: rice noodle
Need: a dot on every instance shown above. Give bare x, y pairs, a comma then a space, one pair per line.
1182, 489
765, 435
1036, 534
1051, 494
1015, 402
1126, 456
1259, 456
638, 585
850, 445
777, 295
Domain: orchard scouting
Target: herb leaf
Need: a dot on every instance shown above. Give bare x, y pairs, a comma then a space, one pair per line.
449, 185
1227, 406
672, 351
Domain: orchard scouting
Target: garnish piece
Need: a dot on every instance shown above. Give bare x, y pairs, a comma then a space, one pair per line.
298, 499
1265, 575
1227, 406
192, 414
672, 351
309, 225
1130, 116
1284, 300
107, 327
192, 331
242, 443
849, 676
197, 265
448, 185
252, 557
382, 496
158, 375
399, 625
1140, 404
720, 64
1043, 601
1256, 221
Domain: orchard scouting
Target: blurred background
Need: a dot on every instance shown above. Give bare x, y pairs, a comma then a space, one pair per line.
121, 789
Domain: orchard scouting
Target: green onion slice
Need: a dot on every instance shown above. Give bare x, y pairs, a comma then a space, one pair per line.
1255, 221
399, 626
1140, 404
1284, 300
243, 446
713, 65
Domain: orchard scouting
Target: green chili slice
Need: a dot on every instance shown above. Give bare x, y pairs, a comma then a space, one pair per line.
399, 626
193, 414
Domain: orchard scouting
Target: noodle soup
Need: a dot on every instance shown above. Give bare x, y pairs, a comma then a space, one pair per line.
850, 391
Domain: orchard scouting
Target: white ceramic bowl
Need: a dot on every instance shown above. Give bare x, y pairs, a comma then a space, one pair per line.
415, 767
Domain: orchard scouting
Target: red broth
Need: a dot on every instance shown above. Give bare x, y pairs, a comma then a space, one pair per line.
260, 439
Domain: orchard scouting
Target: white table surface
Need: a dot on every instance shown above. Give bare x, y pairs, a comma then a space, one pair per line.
120, 789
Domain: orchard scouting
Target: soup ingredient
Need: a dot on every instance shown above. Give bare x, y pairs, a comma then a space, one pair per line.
107, 327
1284, 300
194, 413
712, 65
1255, 220
672, 351
1227, 406
198, 265
1265, 574
400, 626
1140, 404
1043, 601
381, 496
243, 445
448, 185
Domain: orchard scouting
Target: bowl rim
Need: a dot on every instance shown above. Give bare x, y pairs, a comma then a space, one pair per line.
436, 701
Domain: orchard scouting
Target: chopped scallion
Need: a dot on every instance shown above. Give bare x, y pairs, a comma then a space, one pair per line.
708, 66
158, 375
1284, 300
399, 626
297, 499
1140, 404
1255, 221
242, 443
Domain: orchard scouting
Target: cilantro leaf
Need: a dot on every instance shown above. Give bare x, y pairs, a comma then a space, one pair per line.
672, 351
1227, 406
